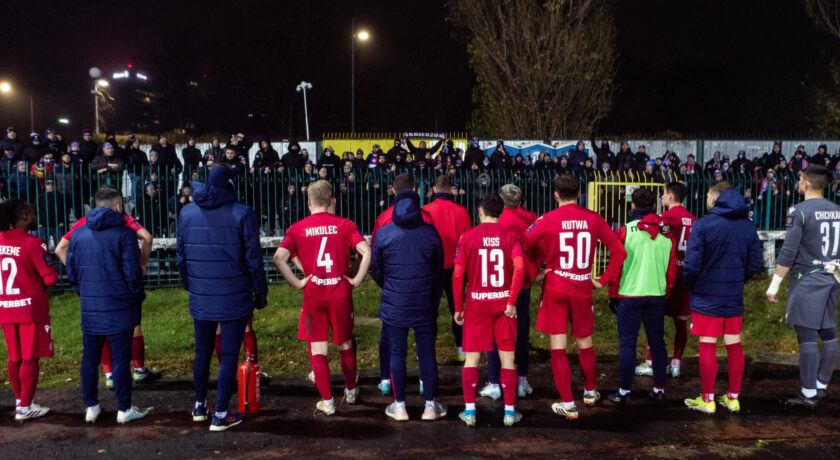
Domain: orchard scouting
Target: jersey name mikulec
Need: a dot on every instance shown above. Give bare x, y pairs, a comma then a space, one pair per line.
323, 242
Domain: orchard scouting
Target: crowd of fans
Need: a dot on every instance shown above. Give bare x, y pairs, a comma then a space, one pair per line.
62, 178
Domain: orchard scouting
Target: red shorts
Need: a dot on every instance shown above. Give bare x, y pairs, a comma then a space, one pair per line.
25, 341
318, 317
556, 310
484, 326
678, 303
713, 326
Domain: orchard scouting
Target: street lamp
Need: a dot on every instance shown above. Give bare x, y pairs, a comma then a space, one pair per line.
98, 83
6, 88
362, 35
302, 87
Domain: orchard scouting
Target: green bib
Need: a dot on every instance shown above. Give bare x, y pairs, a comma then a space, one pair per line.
645, 270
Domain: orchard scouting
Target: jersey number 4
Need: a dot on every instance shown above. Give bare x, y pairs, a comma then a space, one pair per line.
324, 259
497, 258
568, 244
9, 265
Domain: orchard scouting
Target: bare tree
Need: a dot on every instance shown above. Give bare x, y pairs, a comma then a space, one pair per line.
826, 15
544, 68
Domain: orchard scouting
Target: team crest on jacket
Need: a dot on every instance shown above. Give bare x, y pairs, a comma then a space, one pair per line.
665, 229
789, 222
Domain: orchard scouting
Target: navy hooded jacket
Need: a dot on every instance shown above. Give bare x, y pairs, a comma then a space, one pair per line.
723, 253
407, 263
219, 253
103, 265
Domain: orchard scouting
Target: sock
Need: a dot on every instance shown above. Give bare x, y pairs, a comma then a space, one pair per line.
430, 403
493, 385
14, 377
809, 393
732, 396
509, 408
658, 390
828, 359
321, 368
508, 379
28, 381
735, 367
251, 345
460, 350
589, 366
218, 347
400, 404
568, 405
348, 367
562, 374
523, 380
96, 407
106, 357
469, 381
17, 402
469, 406
623, 392
648, 358
821, 386
221, 414
708, 369
138, 352
680, 337
384, 382
809, 362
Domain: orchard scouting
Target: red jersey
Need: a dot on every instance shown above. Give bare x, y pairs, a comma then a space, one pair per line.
25, 268
487, 253
129, 222
568, 236
519, 220
323, 242
385, 219
680, 220
451, 221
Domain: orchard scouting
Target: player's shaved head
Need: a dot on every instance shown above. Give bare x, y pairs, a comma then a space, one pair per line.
108, 197
492, 205
817, 176
443, 184
567, 187
403, 182
511, 195
320, 193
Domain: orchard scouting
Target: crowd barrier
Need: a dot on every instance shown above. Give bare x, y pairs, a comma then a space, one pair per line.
155, 196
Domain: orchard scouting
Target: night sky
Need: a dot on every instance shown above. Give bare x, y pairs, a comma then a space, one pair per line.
705, 67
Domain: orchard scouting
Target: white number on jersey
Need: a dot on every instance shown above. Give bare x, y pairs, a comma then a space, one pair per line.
497, 257
324, 259
567, 251
8, 265
826, 231
683, 243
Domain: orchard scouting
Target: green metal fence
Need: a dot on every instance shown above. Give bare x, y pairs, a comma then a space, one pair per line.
155, 195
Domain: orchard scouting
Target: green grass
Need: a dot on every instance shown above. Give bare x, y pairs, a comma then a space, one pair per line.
168, 332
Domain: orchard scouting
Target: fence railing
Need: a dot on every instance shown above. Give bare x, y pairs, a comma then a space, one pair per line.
155, 195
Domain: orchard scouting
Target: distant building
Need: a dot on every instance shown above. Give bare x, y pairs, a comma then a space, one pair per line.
137, 104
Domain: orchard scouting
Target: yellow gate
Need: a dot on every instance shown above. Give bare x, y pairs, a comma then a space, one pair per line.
610, 197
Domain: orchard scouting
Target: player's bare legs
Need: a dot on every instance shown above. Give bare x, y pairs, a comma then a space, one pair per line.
563, 376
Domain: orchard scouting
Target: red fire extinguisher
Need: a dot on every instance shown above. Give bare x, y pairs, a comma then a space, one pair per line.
249, 387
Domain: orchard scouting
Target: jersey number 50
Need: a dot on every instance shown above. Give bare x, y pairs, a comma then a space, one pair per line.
568, 245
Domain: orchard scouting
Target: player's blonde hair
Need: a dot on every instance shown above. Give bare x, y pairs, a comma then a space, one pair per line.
320, 193
511, 195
